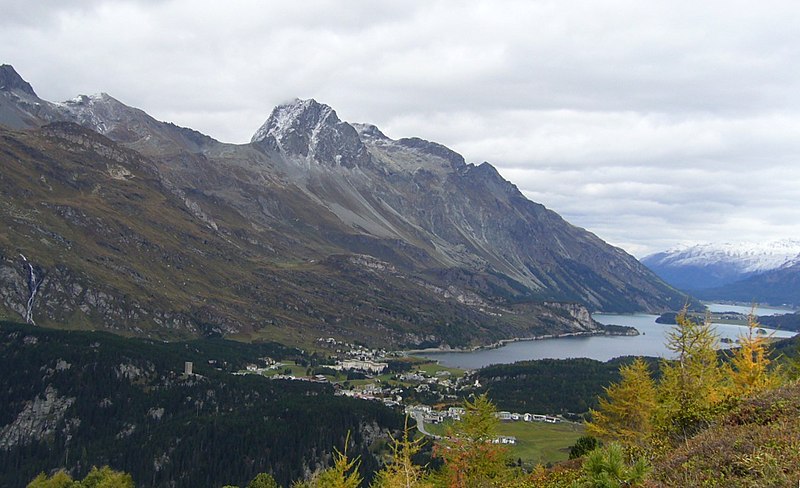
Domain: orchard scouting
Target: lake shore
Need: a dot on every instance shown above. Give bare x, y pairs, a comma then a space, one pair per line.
628, 331
600, 346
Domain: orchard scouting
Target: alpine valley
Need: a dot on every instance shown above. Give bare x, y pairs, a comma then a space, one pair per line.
112, 220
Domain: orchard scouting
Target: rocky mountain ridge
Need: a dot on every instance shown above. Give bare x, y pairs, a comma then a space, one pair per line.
317, 226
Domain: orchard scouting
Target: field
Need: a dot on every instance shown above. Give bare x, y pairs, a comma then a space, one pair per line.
537, 442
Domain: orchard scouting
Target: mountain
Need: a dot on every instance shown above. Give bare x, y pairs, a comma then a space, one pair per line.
316, 227
779, 287
765, 273
704, 266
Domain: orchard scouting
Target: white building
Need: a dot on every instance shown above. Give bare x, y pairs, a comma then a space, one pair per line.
363, 365
503, 415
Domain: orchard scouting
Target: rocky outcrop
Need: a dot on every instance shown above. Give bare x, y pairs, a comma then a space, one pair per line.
38, 420
10, 80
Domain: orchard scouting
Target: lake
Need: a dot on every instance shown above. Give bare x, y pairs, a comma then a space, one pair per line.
650, 342
721, 307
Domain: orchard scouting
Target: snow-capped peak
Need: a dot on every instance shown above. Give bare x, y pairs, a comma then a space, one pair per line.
747, 257
307, 130
297, 115
99, 112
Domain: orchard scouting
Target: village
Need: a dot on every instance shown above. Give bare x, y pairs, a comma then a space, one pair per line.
395, 379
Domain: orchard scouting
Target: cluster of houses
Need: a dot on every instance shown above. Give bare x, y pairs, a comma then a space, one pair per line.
351, 350
427, 414
389, 396
526, 417
424, 413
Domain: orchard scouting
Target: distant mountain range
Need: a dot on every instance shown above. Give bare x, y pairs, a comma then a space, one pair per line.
318, 227
766, 273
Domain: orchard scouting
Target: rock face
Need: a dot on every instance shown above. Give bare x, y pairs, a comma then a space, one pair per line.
37, 421
10, 80
257, 239
310, 131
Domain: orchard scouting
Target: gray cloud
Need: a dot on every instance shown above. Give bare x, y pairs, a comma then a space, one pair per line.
648, 123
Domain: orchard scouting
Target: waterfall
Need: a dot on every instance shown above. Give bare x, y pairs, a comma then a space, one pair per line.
33, 286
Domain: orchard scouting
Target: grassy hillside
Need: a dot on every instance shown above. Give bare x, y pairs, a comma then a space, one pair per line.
756, 444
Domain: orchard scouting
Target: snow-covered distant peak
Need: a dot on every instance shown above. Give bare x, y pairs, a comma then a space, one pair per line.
747, 257
100, 112
295, 116
369, 131
306, 130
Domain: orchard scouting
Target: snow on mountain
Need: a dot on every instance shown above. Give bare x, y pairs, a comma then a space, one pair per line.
311, 131
747, 257
289, 117
94, 111
712, 265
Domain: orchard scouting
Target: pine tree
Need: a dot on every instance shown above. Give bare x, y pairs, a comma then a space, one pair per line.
624, 415
611, 467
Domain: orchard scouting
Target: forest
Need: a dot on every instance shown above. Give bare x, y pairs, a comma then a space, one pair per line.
550, 386
82, 399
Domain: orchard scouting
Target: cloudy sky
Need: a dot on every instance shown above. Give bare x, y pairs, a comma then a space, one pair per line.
649, 123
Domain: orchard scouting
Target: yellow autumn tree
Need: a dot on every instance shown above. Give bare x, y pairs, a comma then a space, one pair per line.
471, 457
104, 477
624, 414
401, 472
692, 385
749, 365
343, 474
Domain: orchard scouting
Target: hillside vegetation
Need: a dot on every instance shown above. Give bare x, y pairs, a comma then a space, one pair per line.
77, 399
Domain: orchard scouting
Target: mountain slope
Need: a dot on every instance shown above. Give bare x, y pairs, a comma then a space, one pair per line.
461, 215
775, 287
317, 227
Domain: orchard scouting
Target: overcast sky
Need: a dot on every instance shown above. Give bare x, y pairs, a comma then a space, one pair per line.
649, 123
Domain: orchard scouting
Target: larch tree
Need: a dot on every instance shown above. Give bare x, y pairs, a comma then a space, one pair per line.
104, 477
624, 414
750, 371
471, 457
691, 385
263, 480
343, 474
401, 472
